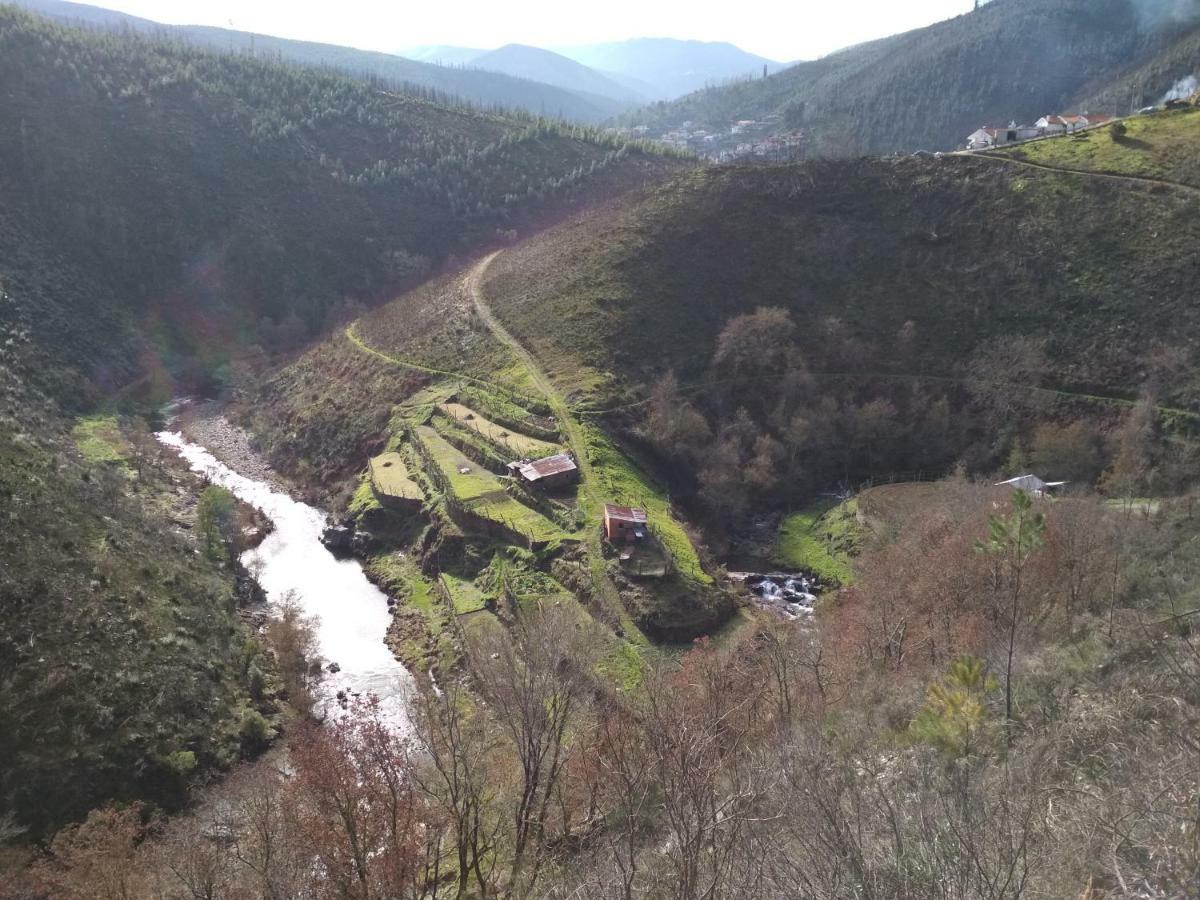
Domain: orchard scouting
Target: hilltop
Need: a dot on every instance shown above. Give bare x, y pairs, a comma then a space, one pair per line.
649, 68
485, 89
929, 88
537, 64
672, 67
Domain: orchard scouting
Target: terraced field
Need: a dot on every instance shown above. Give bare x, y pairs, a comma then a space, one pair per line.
519, 445
464, 594
483, 493
390, 478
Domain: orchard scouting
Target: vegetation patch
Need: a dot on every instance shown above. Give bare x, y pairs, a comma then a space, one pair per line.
418, 634
390, 478
620, 481
99, 439
1163, 145
516, 444
821, 539
465, 595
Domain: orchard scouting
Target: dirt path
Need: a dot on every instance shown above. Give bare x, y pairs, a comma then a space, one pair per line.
591, 500
1088, 173
352, 336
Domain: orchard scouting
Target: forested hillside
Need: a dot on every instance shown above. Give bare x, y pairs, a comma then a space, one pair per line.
166, 215
455, 84
773, 332
930, 88
977, 703
220, 200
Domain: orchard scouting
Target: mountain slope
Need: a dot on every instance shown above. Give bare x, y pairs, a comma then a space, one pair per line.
647, 286
542, 65
929, 88
673, 67
166, 215
215, 200
768, 334
485, 89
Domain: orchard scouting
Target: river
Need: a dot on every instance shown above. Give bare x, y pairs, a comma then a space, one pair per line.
351, 614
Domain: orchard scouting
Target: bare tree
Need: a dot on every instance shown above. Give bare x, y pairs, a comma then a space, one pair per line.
456, 741
536, 682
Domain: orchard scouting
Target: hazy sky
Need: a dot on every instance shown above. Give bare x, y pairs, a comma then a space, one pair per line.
800, 29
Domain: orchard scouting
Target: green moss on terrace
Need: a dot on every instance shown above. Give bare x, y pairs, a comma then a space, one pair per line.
389, 477
483, 493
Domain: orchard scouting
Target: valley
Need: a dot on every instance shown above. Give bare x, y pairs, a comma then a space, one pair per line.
561, 514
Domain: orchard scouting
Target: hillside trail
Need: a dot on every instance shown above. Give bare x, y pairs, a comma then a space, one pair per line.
591, 494
1106, 176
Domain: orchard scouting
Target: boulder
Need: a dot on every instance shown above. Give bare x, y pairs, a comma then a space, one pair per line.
338, 539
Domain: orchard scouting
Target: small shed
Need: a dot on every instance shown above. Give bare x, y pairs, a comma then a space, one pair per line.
548, 472
624, 524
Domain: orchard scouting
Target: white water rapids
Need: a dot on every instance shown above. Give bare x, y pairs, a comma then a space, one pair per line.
351, 614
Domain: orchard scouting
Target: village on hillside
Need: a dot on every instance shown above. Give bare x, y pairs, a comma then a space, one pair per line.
990, 136
746, 139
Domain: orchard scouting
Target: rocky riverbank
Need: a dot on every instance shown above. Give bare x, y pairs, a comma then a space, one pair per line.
204, 423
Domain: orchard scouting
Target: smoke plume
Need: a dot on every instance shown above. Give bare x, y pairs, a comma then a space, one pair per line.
1156, 13
1182, 89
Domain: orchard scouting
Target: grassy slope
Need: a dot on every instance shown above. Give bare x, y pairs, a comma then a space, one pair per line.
966, 249
1164, 145
822, 540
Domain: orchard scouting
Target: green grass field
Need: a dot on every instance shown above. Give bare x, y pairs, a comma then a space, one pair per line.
483, 492
99, 440
464, 594
1163, 145
390, 477
516, 444
820, 539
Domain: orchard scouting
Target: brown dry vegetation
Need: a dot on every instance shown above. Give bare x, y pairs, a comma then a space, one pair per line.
793, 761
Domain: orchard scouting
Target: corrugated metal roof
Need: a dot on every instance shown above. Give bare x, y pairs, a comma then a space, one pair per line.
624, 513
550, 465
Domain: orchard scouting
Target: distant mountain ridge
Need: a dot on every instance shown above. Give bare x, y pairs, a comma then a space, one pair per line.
483, 88
523, 61
648, 68
673, 67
